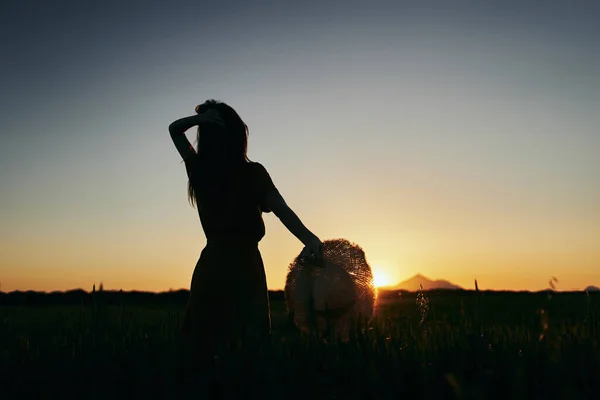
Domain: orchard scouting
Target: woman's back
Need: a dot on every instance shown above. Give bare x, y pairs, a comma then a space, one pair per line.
231, 200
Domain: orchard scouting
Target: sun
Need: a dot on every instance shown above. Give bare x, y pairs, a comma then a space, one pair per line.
380, 278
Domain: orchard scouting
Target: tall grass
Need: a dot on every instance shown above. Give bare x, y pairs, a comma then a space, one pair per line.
423, 345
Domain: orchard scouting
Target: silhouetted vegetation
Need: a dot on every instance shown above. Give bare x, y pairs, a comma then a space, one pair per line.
434, 345
107, 297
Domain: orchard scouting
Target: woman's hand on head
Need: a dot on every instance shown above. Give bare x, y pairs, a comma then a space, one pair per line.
211, 116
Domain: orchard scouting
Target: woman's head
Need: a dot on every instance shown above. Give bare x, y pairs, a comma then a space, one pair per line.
230, 143
220, 149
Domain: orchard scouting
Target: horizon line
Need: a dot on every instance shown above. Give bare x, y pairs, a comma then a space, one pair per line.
383, 289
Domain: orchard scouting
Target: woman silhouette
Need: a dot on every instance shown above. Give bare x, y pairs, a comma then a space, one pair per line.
228, 301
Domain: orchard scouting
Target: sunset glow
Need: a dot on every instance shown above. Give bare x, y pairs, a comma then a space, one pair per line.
380, 278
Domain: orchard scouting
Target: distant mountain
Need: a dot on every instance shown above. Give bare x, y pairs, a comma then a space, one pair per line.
592, 289
413, 284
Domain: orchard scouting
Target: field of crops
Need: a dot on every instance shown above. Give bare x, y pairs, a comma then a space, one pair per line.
464, 345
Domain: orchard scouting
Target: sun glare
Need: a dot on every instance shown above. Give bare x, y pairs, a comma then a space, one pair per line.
380, 278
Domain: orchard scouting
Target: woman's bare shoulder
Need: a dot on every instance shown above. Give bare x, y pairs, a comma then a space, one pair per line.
256, 167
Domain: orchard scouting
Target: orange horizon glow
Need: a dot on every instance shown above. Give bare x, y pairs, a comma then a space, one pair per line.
132, 279
160, 260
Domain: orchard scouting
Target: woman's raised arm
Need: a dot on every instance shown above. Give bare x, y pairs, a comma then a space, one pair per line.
177, 130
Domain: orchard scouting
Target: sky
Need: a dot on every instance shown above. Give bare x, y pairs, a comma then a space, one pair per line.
458, 140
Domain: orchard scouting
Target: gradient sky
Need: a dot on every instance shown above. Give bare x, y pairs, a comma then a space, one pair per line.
459, 141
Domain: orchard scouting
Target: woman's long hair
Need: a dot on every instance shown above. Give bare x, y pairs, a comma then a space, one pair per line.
220, 153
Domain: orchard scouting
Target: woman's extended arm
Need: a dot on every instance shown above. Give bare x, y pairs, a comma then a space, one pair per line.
290, 220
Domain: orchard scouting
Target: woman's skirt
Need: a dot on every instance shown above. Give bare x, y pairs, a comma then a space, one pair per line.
229, 304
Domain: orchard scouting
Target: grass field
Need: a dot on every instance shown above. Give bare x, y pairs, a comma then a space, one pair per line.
467, 345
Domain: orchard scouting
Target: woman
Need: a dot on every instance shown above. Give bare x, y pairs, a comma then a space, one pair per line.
228, 301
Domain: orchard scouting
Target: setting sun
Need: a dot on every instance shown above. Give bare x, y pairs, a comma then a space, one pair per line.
380, 278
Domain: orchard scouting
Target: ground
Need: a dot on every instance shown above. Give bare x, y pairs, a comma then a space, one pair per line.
434, 345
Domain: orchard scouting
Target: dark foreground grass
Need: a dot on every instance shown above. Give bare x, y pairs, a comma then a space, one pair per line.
456, 345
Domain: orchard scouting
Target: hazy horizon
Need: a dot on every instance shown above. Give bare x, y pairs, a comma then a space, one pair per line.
460, 142
395, 286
